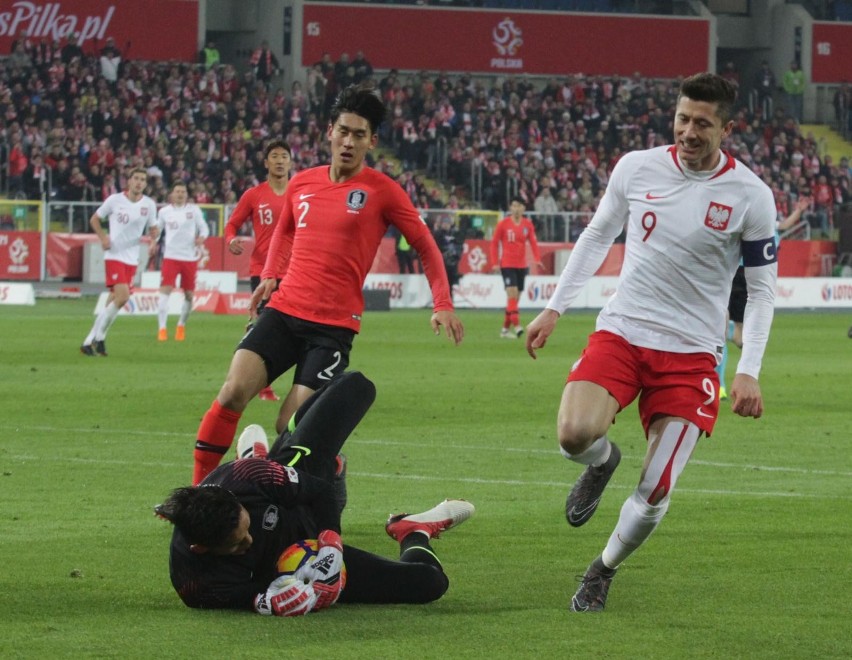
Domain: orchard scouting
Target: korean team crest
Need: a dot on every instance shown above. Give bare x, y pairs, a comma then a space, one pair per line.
356, 199
718, 216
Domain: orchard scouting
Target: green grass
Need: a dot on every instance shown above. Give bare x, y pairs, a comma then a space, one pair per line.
752, 561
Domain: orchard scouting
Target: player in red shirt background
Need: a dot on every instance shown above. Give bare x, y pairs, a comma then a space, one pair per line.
262, 205
511, 234
332, 223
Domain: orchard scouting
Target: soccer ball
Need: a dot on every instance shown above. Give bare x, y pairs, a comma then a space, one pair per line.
300, 554
297, 555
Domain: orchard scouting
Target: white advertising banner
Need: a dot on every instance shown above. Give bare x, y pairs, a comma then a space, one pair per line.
223, 281
486, 292
15, 293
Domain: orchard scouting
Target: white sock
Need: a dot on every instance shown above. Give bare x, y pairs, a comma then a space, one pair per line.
105, 321
91, 336
639, 517
595, 454
635, 524
185, 309
163, 310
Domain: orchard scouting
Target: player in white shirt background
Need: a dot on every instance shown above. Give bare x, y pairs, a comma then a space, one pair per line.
184, 233
691, 212
129, 214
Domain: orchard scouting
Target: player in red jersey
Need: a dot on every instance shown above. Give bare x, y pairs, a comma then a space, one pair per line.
262, 205
512, 234
332, 223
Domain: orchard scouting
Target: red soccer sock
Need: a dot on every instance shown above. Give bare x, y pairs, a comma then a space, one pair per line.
512, 311
507, 320
215, 437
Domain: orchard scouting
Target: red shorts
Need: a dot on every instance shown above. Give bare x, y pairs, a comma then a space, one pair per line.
173, 267
671, 384
118, 272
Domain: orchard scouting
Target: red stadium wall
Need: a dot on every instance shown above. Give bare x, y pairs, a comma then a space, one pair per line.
150, 30
831, 60
489, 41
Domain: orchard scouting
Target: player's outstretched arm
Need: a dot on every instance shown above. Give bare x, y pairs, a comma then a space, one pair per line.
540, 329
452, 325
262, 292
746, 399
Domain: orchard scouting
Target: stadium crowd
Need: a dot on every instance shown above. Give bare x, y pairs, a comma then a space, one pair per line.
73, 122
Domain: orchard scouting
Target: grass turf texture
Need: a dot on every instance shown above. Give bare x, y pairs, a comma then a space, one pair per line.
751, 560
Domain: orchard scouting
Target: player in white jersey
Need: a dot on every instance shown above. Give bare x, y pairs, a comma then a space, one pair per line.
185, 231
129, 214
691, 211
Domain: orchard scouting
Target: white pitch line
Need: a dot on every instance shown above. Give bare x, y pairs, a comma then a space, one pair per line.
429, 478
397, 443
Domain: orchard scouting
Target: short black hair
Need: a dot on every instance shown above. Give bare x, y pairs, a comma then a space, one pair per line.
711, 88
361, 100
276, 144
518, 199
206, 515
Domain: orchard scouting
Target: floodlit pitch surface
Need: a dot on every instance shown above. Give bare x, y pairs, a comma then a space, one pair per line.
752, 560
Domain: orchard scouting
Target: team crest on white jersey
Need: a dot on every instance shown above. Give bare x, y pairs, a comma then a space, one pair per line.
718, 216
356, 199
143, 210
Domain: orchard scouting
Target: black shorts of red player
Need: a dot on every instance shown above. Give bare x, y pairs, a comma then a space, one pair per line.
319, 352
514, 277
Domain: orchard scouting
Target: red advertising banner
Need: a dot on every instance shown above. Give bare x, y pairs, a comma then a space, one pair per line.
20, 255
155, 30
831, 60
493, 41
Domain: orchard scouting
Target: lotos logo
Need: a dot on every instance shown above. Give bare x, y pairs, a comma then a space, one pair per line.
507, 39
836, 292
4, 293
718, 216
540, 291
38, 20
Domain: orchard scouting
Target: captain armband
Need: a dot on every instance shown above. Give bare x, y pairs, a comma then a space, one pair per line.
759, 253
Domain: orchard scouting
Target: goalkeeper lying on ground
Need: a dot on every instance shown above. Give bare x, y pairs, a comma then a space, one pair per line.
230, 530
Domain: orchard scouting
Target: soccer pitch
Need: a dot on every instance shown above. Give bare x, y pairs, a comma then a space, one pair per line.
752, 561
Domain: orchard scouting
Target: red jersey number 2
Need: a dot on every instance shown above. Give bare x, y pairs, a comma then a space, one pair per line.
303, 207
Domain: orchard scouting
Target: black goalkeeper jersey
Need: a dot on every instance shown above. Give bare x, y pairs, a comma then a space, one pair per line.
285, 505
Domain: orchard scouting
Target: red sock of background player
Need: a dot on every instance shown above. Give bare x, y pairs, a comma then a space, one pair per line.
215, 436
512, 311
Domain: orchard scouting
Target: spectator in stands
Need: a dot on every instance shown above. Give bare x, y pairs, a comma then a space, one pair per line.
264, 64
209, 55
362, 67
451, 244
842, 103
20, 58
18, 163
546, 210
110, 61
731, 74
763, 89
71, 50
794, 90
